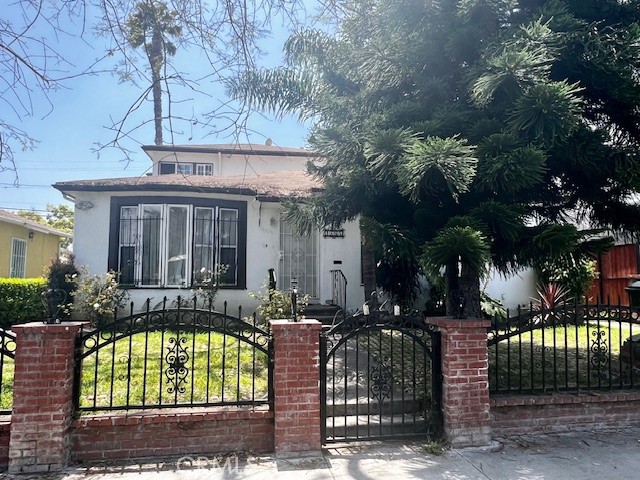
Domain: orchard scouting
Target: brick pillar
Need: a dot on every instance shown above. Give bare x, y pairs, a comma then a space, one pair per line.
42, 397
296, 383
465, 385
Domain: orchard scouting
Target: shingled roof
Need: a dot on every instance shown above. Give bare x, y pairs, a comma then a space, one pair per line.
232, 148
30, 224
267, 186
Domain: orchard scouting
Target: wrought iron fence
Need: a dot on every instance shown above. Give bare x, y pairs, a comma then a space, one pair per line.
579, 347
7, 356
174, 357
380, 377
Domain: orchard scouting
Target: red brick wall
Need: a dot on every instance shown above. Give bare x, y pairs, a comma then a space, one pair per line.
5, 432
296, 384
563, 412
465, 386
42, 397
173, 434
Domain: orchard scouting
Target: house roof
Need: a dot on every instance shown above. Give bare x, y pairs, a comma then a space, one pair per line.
232, 148
14, 219
266, 186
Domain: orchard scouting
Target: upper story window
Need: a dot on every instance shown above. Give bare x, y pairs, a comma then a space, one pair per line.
204, 169
167, 168
18, 264
186, 168
180, 245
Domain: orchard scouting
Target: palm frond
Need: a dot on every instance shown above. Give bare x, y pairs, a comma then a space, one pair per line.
383, 148
457, 244
280, 91
436, 164
521, 168
547, 111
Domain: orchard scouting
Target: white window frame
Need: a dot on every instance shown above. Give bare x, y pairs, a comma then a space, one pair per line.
184, 168
205, 169
18, 260
188, 239
163, 243
219, 242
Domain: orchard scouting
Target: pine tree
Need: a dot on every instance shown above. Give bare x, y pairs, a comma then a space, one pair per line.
484, 130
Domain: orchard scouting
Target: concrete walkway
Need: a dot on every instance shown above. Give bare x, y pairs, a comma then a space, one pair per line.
597, 455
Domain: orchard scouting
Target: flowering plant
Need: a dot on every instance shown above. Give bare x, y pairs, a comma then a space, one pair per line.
98, 297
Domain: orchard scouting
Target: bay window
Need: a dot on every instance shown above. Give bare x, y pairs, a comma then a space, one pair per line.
179, 244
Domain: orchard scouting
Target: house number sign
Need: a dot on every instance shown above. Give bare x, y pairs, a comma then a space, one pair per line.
333, 233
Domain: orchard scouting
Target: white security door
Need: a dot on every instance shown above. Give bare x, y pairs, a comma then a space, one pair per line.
298, 261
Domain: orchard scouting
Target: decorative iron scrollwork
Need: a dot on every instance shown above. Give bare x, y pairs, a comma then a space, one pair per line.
381, 382
599, 350
176, 358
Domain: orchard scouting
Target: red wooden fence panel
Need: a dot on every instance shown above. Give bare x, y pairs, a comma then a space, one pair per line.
617, 269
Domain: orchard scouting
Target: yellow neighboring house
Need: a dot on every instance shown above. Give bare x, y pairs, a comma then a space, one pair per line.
26, 246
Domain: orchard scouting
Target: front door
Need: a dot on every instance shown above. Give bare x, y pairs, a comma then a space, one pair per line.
298, 261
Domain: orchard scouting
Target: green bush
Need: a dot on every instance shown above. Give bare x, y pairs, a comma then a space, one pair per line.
98, 297
21, 300
61, 275
276, 304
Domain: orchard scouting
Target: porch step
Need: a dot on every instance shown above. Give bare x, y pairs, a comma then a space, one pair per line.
323, 313
371, 426
351, 408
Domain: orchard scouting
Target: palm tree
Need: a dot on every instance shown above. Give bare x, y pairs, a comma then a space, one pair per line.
150, 26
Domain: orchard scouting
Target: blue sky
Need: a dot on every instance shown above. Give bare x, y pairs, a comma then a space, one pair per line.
69, 131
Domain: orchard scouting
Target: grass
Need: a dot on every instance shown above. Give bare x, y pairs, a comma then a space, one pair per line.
6, 385
137, 370
582, 358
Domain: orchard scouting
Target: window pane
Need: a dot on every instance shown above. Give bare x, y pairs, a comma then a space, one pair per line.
185, 168
228, 258
167, 168
228, 228
177, 246
18, 258
151, 228
204, 169
203, 244
228, 246
128, 239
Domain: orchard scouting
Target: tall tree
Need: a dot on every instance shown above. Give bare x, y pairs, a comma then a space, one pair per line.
223, 38
226, 36
483, 130
152, 26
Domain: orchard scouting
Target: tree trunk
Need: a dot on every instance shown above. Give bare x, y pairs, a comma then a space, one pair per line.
156, 58
470, 286
451, 289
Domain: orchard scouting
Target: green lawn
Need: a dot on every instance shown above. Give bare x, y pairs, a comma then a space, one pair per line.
140, 370
573, 357
6, 387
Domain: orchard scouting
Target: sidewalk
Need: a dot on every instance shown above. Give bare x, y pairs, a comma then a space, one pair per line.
593, 455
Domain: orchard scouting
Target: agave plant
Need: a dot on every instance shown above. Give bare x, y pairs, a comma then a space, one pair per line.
550, 296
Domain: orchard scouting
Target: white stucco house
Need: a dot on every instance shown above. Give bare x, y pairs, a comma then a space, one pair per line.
209, 206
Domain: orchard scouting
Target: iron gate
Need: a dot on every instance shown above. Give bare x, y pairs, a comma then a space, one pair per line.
380, 378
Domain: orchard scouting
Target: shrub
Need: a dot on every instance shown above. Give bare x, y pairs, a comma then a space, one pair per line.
98, 297
574, 273
61, 275
276, 304
21, 300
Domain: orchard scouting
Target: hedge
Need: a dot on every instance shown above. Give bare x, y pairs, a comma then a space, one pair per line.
21, 300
